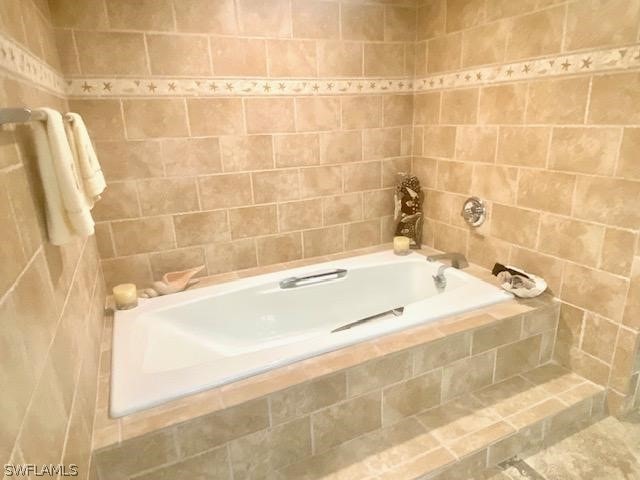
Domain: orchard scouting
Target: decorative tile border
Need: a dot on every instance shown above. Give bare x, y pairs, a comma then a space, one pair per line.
18, 61
571, 64
226, 87
620, 58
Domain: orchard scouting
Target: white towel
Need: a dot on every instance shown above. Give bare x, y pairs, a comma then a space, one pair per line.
59, 229
92, 178
68, 212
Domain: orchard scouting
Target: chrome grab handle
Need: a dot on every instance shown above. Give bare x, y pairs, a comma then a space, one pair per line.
396, 312
293, 282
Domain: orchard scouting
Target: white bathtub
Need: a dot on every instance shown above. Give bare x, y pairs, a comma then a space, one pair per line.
172, 346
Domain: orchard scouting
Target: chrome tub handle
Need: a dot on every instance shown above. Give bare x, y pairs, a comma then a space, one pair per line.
397, 312
293, 282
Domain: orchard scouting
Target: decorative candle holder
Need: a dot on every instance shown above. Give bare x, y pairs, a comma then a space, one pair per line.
401, 245
125, 296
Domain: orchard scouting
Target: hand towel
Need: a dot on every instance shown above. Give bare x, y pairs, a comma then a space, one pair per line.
92, 177
67, 209
76, 162
59, 228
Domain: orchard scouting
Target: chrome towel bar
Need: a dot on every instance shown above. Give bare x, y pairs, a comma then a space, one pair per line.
314, 278
22, 115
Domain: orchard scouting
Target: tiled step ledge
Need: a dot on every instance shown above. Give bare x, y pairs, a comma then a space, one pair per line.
461, 438
538, 315
457, 440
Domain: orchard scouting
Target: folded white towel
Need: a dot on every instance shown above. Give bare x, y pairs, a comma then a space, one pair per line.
68, 212
92, 178
527, 286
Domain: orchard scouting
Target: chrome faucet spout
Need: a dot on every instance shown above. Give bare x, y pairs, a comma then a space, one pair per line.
457, 261
441, 269
439, 280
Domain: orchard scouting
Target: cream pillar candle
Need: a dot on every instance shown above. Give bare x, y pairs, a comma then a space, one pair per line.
125, 296
401, 245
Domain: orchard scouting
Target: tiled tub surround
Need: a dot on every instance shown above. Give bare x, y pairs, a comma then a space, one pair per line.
499, 32
556, 159
396, 407
552, 152
51, 298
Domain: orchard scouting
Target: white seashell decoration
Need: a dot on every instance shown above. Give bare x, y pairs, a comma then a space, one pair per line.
172, 282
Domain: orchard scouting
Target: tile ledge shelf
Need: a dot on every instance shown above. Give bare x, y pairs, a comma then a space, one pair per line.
526, 430
108, 431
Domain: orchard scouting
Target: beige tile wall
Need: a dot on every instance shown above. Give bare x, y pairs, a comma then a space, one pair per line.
50, 298
556, 160
242, 181
275, 38
29, 24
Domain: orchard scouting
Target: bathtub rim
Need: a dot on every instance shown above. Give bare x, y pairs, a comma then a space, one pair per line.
136, 389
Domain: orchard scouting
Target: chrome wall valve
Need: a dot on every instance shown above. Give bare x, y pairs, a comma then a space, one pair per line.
474, 211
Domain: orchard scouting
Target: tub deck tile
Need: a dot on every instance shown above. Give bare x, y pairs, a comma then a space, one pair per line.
417, 467
553, 378
339, 359
579, 393
511, 395
261, 385
154, 419
458, 418
537, 413
464, 323
479, 440
407, 339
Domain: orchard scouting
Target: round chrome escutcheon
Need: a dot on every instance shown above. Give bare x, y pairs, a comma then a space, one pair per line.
474, 212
